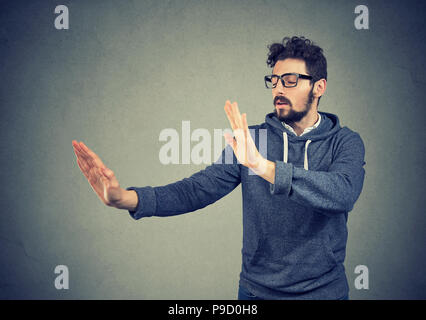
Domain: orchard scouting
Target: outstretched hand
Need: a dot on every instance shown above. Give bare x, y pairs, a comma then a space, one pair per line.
101, 179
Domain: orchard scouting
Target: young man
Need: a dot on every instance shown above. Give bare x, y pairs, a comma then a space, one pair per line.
296, 197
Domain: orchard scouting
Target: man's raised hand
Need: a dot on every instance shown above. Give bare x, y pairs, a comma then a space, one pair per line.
243, 145
101, 179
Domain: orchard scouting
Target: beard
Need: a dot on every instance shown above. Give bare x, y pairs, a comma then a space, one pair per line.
293, 116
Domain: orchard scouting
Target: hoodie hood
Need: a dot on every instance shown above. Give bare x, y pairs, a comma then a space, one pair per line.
328, 126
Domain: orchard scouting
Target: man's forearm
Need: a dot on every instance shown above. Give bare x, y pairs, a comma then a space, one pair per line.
129, 200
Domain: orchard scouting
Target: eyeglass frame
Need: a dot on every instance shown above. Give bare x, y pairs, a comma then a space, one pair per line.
301, 76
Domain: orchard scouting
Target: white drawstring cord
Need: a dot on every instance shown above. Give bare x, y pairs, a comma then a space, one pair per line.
305, 164
285, 156
285, 147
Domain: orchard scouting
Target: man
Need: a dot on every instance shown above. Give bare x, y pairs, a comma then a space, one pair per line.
296, 197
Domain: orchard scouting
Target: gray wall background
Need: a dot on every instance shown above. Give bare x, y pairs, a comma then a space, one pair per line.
125, 70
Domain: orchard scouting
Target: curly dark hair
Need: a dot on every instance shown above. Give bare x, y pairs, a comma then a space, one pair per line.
300, 48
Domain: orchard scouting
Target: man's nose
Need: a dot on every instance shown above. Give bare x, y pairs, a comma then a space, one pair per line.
279, 88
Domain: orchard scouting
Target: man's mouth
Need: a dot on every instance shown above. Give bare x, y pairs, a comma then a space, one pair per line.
281, 105
281, 102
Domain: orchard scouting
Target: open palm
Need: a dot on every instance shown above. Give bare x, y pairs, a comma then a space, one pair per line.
242, 143
101, 179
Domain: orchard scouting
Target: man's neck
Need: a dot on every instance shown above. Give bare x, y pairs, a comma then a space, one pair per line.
308, 121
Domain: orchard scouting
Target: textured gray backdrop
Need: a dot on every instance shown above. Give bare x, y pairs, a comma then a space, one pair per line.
125, 70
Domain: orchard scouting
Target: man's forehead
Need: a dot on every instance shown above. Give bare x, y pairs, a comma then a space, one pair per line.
290, 65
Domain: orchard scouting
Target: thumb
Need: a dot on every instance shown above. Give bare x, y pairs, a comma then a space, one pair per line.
108, 173
229, 139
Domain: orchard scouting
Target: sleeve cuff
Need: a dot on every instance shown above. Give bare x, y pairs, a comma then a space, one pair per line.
147, 202
283, 178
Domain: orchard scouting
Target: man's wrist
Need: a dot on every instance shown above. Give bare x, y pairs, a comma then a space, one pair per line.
129, 200
266, 169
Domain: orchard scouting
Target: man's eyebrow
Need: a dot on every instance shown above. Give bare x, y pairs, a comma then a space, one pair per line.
275, 74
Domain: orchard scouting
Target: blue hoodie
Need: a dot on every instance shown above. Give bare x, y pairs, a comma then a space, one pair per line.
295, 230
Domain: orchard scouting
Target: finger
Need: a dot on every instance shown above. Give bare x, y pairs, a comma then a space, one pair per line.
82, 168
77, 149
81, 160
245, 126
85, 161
79, 154
240, 132
93, 156
230, 140
246, 134
249, 137
237, 115
76, 152
244, 118
96, 158
234, 113
229, 115
85, 151
84, 155
237, 124
75, 144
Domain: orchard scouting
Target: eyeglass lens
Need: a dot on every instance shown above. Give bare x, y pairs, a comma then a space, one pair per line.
290, 80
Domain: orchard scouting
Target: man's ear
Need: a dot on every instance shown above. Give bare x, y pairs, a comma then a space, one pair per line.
319, 88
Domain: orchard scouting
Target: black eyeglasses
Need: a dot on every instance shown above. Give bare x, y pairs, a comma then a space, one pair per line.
289, 80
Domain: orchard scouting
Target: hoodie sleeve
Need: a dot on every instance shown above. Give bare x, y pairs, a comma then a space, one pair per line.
189, 194
332, 191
